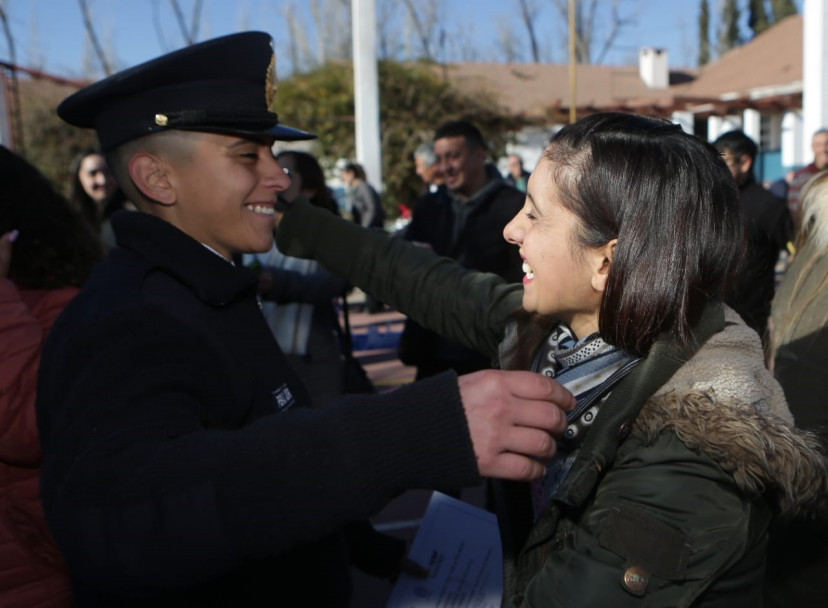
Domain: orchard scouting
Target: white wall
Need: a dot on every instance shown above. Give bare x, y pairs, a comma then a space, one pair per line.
653, 67
815, 81
752, 125
793, 153
685, 119
716, 125
366, 91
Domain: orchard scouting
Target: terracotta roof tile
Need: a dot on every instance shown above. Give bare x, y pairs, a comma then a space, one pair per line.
771, 61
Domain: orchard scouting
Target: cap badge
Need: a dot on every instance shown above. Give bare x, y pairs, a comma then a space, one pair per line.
161, 120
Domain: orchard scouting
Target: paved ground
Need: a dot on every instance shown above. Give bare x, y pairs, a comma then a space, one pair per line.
375, 341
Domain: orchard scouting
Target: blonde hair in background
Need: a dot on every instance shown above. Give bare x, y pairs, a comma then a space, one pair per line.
813, 233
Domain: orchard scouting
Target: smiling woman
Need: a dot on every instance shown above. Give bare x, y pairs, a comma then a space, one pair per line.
673, 461
563, 279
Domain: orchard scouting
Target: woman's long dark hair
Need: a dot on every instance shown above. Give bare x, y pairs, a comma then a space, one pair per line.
671, 202
79, 200
55, 247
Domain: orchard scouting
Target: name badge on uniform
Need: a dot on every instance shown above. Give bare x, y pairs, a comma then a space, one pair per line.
283, 398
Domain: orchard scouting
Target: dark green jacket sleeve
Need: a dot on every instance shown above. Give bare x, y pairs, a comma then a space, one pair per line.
463, 305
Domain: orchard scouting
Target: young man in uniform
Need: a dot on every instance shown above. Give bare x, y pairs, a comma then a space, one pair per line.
181, 464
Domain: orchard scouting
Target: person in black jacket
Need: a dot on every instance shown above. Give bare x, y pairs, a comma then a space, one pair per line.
464, 221
769, 228
182, 465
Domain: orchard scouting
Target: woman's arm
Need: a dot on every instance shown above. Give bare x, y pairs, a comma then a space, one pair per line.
463, 305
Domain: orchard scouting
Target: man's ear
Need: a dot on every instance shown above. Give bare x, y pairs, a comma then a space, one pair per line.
150, 175
602, 257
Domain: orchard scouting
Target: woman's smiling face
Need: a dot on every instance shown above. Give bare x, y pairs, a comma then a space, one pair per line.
562, 278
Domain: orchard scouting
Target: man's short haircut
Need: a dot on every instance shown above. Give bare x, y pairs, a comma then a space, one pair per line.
737, 143
425, 152
819, 132
464, 129
174, 142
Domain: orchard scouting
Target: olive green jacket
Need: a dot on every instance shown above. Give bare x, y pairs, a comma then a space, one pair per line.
669, 499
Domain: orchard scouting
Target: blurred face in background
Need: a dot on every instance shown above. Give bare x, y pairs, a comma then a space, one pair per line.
463, 167
739, 166
95, 178
819, 145
515, 166
348, 176
430, 174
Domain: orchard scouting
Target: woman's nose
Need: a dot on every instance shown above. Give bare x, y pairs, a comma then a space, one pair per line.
511, 232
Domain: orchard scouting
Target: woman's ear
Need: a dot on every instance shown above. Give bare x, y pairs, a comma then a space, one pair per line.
150, 175
603, 262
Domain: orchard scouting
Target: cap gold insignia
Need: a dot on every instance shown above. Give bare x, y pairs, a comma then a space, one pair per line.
161, 120
270, 85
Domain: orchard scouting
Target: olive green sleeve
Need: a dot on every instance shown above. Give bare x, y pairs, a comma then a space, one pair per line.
465, 306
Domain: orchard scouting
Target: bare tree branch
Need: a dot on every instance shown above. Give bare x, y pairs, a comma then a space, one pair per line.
617, 24
425, 22
179, 17
292, 30
93, 37
528, 12
507, 41
388, 29
156, 22
196, 20
586, 14
299, 51
189, 33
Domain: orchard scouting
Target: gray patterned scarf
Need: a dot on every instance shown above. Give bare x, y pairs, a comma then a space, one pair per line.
589, 368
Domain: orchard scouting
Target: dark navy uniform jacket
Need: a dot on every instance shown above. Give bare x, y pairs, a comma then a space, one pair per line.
181, 464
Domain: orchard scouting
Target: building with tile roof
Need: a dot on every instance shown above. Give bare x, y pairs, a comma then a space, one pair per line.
756, 87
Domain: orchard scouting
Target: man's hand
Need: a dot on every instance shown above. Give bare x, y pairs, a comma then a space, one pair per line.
265, 280
513, 417
6, 251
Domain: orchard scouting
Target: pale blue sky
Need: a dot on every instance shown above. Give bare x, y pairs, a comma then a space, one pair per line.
49, 34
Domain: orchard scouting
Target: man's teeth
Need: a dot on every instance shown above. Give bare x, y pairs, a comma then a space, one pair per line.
527, 270
263, 209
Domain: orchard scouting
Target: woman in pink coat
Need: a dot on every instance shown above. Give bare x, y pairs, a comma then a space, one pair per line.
46, 253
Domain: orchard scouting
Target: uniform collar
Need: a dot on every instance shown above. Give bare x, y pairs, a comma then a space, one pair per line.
214, 280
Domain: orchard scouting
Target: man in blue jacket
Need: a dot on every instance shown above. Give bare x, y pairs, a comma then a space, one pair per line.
182, 465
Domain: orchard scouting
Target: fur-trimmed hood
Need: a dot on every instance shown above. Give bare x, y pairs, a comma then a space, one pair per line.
725, 403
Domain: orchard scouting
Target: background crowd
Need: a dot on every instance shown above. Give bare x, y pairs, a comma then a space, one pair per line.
50, 245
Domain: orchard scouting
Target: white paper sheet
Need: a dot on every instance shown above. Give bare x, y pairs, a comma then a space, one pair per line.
460, 545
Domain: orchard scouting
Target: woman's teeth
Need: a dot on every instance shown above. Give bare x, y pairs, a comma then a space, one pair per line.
527, 270
263, 209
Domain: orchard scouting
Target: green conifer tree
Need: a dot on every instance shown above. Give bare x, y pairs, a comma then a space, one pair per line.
729, 36
782, 8
758, 18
